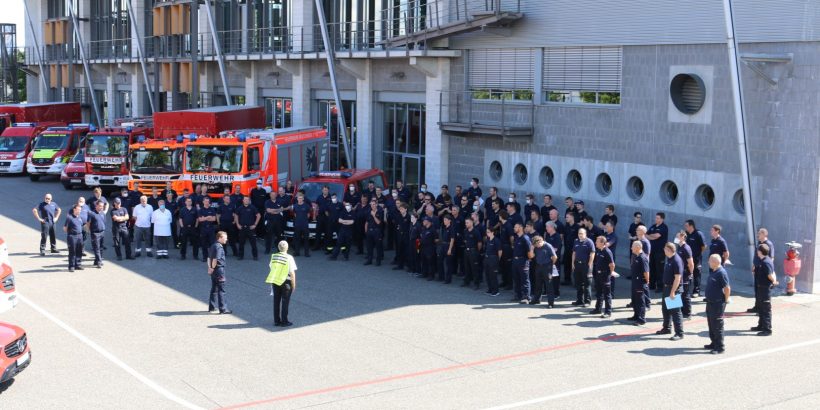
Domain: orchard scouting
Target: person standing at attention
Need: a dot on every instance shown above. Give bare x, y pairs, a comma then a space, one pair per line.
282, 278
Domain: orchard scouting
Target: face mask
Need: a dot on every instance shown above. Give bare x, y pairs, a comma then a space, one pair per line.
424, 189
348, 208
677, 241
333, 200
162, 207
395, 195
473, 184
475, 207
125, 195
384, 193
529, 202
512, 199
352, 189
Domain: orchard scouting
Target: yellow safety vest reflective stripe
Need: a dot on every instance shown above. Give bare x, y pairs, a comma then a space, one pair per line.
278, 269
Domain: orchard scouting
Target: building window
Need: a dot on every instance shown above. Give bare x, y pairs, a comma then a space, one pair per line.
279, 112
502, 74
520, 174
705, 197
546, 177
574, 180
634, 188
237, 100
583, 75
329, 118
603, 184
404, 143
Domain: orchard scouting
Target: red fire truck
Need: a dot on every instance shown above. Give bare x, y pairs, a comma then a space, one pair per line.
54, 148
20, 123
156, 162
65, 113
240, 158
106, 154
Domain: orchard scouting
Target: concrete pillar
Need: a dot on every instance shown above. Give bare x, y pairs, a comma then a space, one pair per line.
207, 79
138, 9
300, 71
364, 117
436, 156
139, 104
111, 95
35, 90
302, 26
251, 83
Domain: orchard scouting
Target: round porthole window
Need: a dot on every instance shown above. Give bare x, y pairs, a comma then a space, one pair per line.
634, 188
688, 93
520, 174
669, 192
705, 197
546, 177
603, 184
738, 202
496, 171
574, 180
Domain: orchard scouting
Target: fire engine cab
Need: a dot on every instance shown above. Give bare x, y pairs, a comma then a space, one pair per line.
240, 158
54, 148
106, 154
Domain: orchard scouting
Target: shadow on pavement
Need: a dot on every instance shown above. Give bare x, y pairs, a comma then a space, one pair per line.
670, 351
182, 313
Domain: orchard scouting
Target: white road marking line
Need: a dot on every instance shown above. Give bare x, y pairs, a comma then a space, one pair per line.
108, 355
654, 375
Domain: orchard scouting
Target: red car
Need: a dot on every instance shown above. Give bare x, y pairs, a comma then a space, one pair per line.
73, 174
16, 354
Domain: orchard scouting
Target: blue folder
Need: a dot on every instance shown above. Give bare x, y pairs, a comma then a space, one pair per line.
673, 303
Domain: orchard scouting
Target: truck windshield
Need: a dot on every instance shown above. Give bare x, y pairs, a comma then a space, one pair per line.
313, 190
51, 141
156, 161
107, 145
13, 144
214, 158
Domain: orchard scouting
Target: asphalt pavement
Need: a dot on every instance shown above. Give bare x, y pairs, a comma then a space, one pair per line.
136, 334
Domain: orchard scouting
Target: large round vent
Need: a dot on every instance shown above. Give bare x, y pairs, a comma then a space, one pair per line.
688, 93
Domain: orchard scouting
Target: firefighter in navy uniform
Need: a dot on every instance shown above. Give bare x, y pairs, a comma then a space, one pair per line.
274, 221
523, 251
583, 254
445, 250
301, 233
685, 253
472, 254
73, 227
374, 233
119, 230
259, 196
323, 202
427, 251
671, 280
639, 268
173, 207
344, 237
603, 267
206, 222
216, 269
764, 281
47, 213
188, 229
334, 209
360, 211
246, 219
402, 224
96, 226
717, 292
225, 217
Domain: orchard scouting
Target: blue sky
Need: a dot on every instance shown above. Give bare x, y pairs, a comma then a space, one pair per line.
13, 13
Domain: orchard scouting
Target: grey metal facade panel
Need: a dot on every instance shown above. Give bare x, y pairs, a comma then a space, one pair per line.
650, 22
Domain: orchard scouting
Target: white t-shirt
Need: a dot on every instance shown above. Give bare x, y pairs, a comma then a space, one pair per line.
291, 263
143, 215
162, 222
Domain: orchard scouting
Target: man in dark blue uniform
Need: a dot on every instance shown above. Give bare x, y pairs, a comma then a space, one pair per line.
583, 256
188, 232
172, 206
224, 216
47, 213
609, 216
639, 269
344, 237
685, 253
73, 228
206, 222
718, 246
119, 230
718, 292
547, 207
492, 258
402, 224
352, 196
472, 250
216, 269
570, 237
697, 243
474, 191
259, 196
762, 239
658, 235
427, 242
334, 209
274, 221
458, 251
553, 237
530, 206
360, 211
246, 219
544, 260
84, 210
521, 255
403, 192
323, 202
301, 229
96, 226
446, 249
506, 234
374, 233
603, 267
671, 280
764, 281
612, 244
237, 196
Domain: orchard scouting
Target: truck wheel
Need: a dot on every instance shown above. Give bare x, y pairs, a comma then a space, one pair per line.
33, 177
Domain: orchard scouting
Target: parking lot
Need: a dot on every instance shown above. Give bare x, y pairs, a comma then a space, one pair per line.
136, 334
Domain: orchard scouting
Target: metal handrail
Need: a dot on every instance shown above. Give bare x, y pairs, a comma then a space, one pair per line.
460, 107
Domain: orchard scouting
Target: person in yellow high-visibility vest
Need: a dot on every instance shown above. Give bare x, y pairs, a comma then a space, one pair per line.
282, 278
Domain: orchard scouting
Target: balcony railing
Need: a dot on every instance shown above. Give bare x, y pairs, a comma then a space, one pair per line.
461, 113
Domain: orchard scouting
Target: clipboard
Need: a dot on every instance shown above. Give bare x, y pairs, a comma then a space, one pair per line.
673, 303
